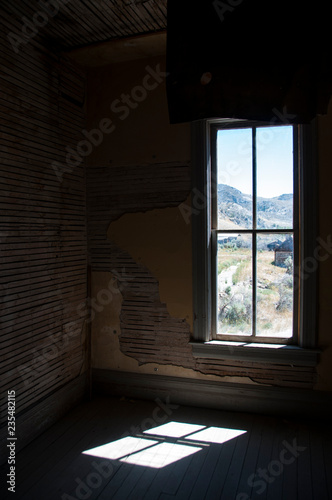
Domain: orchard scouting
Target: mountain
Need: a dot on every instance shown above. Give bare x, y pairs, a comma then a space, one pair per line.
235, 210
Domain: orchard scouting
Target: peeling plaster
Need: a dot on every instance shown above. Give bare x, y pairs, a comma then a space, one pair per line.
106, 350
160, 241
153, 248
157, 141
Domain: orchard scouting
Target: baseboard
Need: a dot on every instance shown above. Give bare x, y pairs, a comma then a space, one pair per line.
209, 394
36, 419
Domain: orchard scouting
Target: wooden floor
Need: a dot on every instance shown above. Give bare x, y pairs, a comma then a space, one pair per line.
204, 454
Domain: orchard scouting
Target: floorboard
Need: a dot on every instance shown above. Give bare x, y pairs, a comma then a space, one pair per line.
328, 461
188, 454
253, 452
317, 465
304, 477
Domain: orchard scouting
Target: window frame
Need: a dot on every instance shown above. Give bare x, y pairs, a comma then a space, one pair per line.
302, 348
253, 126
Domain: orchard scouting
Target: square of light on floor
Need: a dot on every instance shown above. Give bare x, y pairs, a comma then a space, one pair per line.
161, 455
120, 448
174, 429
216, 435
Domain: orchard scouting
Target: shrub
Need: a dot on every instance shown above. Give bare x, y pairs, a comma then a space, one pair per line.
236, 314
238, 308
289, 265
230, 245
285, 302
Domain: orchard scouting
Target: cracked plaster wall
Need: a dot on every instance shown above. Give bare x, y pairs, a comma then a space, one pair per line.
163, 242
157, 237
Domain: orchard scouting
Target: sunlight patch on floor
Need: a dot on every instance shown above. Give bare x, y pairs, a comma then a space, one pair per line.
170, 443
174, 429
120, 448
216, 435
161, 455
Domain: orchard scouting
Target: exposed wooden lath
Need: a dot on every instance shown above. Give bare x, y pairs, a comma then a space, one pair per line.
148, 333
77, 23
42, 224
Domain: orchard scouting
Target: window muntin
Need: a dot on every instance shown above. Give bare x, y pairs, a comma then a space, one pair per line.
254, 232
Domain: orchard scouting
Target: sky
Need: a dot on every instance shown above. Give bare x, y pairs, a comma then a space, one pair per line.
274, 160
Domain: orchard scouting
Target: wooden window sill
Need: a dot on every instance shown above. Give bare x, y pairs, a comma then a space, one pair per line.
264, 353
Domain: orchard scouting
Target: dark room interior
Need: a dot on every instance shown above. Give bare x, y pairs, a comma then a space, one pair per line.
166, 241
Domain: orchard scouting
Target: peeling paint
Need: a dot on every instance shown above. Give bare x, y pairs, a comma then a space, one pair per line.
137, 181
106, 349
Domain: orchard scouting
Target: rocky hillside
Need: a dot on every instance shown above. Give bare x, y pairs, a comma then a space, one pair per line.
235, 210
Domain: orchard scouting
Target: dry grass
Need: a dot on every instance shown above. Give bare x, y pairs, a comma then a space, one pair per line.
270, 320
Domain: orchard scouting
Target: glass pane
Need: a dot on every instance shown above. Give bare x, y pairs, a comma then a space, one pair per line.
234, 167
275, 284
274, 147
234, 261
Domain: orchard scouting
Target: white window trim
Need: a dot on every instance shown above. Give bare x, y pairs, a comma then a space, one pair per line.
304, 352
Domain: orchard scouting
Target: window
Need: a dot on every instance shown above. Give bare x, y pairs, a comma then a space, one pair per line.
254, 232
253, 226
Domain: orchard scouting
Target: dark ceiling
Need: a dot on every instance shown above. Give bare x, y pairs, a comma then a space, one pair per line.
78, 23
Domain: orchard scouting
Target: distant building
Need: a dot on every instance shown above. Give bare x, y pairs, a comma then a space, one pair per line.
283, 251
